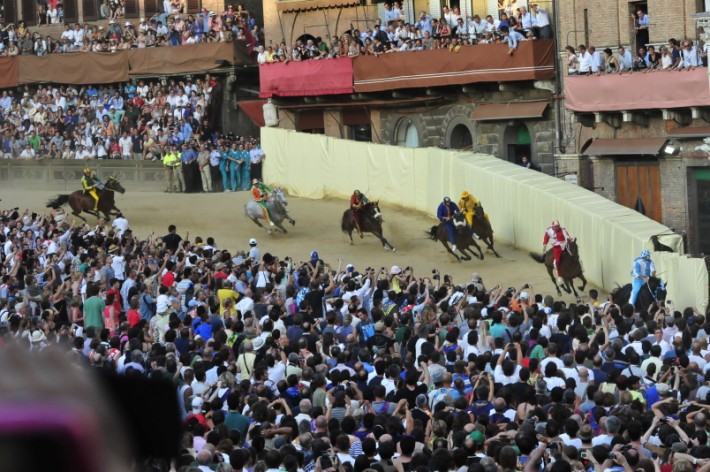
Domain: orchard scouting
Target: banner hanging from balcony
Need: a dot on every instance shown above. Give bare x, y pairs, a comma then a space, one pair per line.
9, 72
79, 68
315, 77
533, 60
638, 91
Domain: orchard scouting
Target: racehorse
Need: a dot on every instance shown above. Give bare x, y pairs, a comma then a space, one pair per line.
80, 201
570, 267
482, 227
652, 291
277, 209
370, 222
462, 235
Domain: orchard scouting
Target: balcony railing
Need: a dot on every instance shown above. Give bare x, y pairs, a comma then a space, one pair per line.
533, 60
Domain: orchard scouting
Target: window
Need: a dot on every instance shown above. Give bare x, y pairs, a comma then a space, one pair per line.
406, 134
29, 12
360, 133
461, 138
71, 11
9, 11
91, 10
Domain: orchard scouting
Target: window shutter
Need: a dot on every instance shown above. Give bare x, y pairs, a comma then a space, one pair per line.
91, 10
151, 8
194, 6
29, 12
10, 12
132, 9
71, 11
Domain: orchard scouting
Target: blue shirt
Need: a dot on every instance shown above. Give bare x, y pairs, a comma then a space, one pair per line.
188, 156
643, 267
443, 212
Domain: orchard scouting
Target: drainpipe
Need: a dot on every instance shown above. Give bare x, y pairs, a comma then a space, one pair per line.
559, 135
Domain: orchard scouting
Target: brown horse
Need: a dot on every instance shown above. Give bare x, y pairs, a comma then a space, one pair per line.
370, 222
80, 201
482, 227
570, 267
463, 236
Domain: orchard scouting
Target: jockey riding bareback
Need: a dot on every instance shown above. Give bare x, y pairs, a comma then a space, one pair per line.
558, 237
357, 203
260, 194
88, 184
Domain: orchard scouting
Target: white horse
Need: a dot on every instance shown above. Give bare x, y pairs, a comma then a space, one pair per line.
277, 205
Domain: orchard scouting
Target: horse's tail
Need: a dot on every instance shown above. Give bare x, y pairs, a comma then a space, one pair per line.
58, 202
433, 233
537, 257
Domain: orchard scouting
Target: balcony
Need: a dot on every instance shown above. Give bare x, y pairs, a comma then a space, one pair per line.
103, 68
534, 60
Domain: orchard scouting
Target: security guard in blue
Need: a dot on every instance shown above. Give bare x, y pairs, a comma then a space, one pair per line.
643, 269
446, 212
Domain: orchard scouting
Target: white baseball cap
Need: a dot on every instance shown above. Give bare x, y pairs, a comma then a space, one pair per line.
252, 242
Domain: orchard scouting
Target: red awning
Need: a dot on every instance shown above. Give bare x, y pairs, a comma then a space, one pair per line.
622, 92
254, 109
625, 147
508, 111
315, 77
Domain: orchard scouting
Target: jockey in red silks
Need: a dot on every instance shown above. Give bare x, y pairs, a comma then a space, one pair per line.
558, 237
357, 202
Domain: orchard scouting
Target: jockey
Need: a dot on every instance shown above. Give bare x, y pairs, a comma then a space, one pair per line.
468, 204
643, 269
88, 183
446, 212
357, 203
558, 237
260, 194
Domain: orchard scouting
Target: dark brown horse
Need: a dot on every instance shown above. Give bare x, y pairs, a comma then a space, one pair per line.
570, 267
462, 235
370, 222
482, 227
80, 201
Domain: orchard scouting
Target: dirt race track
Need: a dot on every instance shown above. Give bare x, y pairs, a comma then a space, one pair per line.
221, 215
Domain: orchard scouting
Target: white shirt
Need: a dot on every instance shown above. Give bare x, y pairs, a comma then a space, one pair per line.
554, 360
585, 62
500, 377
126, 145
121, 225
276, 373
119, 267
162, 303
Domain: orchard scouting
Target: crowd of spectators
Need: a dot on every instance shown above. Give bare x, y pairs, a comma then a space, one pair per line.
393, 34
172, 27
302, 365
677, 55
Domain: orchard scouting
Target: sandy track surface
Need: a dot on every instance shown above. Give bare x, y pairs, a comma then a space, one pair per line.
221, 215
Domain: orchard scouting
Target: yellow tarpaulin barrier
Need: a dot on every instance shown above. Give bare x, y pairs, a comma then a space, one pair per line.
521, 202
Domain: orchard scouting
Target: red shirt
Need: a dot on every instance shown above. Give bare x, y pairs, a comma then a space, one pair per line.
133, 317
168, 279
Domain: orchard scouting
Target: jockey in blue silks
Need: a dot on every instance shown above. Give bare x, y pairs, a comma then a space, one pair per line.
446, 212
643, 269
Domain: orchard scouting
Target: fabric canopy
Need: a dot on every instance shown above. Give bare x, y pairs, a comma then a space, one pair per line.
508, 111
286, 6
78, 68
533, 60
9, 72
182, 59
254, 109
294, 79
621, 92
625, 147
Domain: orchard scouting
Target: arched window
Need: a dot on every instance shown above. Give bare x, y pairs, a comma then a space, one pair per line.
461, 138
406, 134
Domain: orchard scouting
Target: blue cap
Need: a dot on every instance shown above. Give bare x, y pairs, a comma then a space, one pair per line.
645, 253
314, 256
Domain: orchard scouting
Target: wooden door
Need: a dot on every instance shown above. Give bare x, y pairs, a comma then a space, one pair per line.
638, 186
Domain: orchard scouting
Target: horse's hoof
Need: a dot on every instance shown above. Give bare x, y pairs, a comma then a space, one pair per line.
293, 222
284, 230
481, 256
394, 249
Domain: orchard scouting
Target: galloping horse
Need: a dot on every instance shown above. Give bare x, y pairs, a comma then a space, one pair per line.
80, 201
277, 209
370, 222
653, 291
462, 235
482, 228
570, 267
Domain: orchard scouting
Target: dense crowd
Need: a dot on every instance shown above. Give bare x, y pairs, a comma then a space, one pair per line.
677, 55
173, 27
303, 365
393, 33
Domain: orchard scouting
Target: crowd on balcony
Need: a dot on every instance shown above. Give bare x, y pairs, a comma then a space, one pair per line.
676, 55
300, 364
172, 27
394, 34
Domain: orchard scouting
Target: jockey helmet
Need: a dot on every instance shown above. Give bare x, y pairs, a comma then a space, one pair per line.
465, 194
356, 192
87, 171
254, 181
447, 200
555, 223
645, 253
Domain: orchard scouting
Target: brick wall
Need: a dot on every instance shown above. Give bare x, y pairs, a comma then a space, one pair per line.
609, 22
